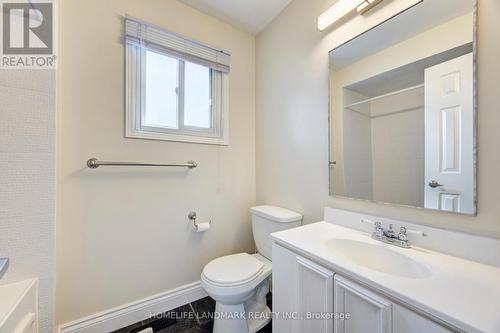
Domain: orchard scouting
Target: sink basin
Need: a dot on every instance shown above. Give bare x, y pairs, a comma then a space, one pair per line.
378, 258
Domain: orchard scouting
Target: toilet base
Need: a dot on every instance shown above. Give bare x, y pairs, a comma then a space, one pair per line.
248, 317
234, 319
260, 321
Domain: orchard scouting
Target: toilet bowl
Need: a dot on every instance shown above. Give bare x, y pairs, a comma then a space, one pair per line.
239, 282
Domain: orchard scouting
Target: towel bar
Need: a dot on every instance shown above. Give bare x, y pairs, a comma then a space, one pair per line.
94, 163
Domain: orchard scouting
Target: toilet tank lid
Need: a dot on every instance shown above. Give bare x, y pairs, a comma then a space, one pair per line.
276, 214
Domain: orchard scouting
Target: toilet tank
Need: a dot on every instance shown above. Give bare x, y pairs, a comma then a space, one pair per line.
269, 219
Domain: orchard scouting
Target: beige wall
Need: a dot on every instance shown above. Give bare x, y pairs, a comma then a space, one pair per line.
123, 234
357, 157
398, 148
292, 121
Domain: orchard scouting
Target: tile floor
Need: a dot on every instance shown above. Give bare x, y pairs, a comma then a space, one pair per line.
195, 317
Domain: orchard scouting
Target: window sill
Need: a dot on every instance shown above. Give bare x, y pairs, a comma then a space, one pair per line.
176, 138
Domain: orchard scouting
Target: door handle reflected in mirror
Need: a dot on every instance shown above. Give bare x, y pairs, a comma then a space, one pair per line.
434, 184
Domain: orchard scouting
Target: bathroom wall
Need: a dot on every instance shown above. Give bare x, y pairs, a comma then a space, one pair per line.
383, 145
123, 233
27, 181
357, 141
292, 121
398, 147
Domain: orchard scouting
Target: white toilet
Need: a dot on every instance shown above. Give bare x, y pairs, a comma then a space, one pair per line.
239, 282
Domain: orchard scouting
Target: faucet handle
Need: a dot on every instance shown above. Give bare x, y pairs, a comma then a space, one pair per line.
402, 234
390, 232
379, 231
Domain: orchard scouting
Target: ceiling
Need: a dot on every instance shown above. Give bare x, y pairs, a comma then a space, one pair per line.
247, 15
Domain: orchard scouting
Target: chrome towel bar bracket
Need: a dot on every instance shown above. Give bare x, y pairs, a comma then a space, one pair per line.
94, 163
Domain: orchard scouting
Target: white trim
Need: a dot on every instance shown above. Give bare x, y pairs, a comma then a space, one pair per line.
128, 314
175, 137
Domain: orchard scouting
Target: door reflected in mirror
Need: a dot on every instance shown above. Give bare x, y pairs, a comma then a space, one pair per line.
403, 110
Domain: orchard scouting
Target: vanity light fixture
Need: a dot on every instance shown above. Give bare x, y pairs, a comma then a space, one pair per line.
342, 8
367, 5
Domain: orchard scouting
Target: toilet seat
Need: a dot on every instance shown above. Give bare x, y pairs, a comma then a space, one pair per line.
232, 270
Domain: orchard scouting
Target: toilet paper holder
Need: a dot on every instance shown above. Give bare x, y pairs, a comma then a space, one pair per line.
192, 217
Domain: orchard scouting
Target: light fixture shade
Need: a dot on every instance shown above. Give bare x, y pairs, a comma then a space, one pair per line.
338, 10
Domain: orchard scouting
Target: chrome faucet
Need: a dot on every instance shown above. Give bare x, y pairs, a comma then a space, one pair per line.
389, 236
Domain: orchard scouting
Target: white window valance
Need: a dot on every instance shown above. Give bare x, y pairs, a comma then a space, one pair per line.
144, 34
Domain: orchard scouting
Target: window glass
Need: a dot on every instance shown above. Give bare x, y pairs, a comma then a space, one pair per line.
162, 86
197, 96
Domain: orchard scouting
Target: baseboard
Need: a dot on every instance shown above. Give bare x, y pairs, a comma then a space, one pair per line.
134, 312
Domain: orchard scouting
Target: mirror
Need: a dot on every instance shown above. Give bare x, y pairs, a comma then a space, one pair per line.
403, 110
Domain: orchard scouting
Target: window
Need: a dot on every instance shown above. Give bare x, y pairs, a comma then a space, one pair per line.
176, 87
178, 94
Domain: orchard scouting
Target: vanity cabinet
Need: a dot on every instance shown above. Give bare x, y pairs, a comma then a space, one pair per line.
314, 297
310, 298
304, 292
368, 312
407, 321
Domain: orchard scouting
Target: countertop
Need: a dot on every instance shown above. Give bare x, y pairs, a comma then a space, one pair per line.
462, 293
10, 296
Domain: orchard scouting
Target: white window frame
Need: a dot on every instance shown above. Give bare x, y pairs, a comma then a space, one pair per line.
218, 134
